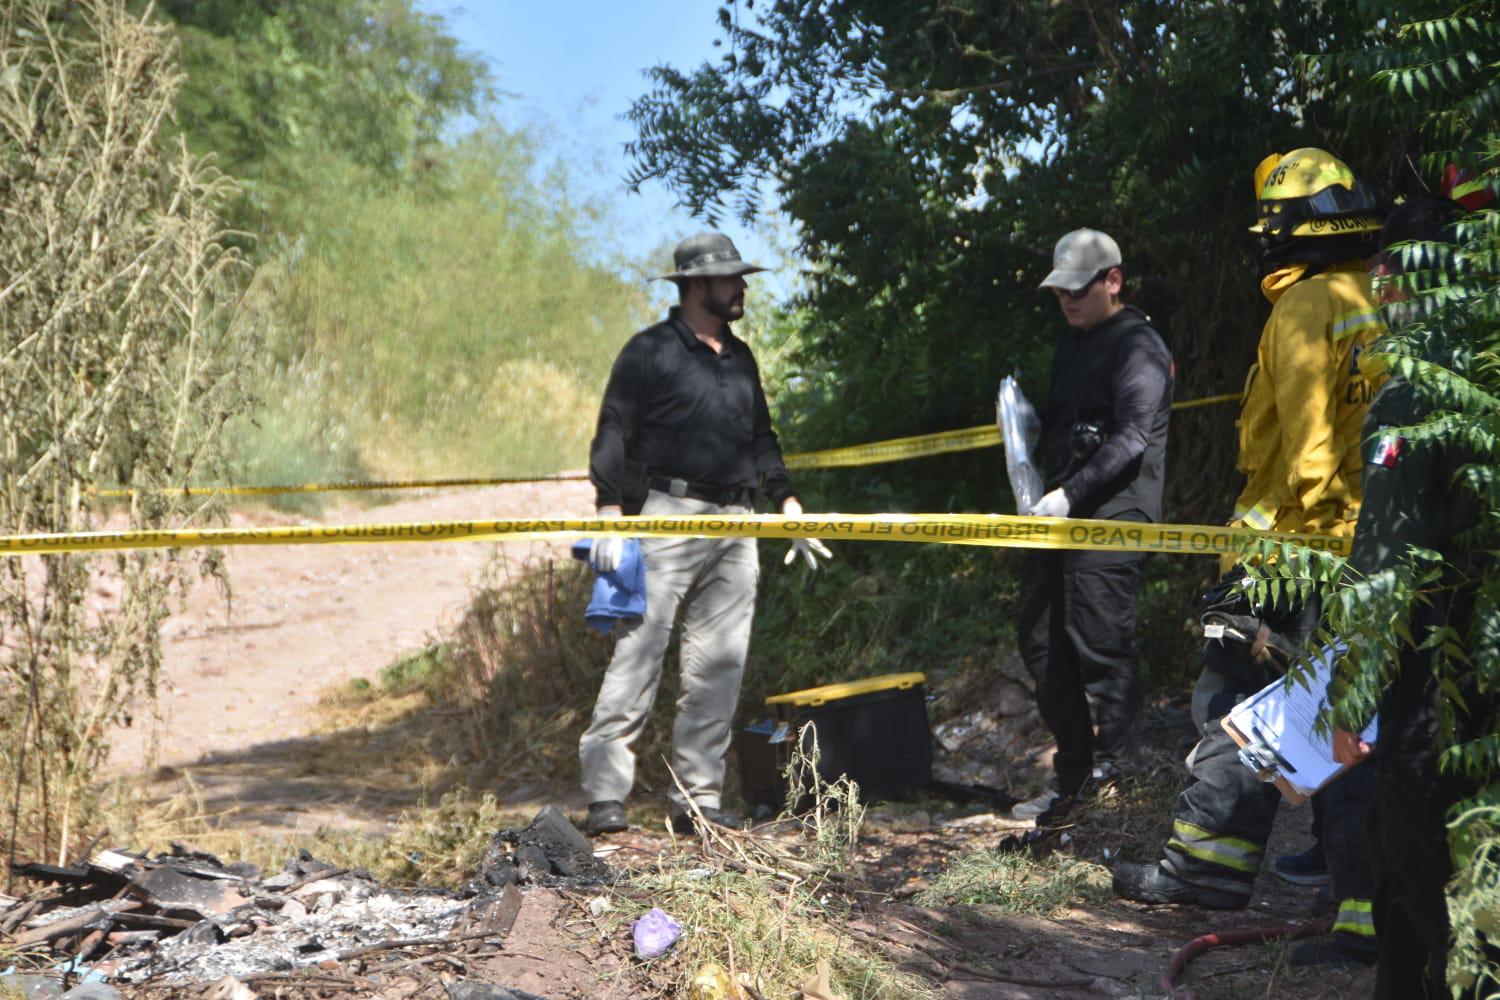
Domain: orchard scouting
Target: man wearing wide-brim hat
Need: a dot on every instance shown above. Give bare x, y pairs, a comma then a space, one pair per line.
683, 429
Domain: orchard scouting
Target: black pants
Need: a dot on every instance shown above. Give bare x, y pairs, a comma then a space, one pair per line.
1409, 843
1409, 853
1346, 804
1225, 813
1077, 637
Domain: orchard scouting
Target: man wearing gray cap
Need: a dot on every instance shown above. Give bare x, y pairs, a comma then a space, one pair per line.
1102, 449
684, 429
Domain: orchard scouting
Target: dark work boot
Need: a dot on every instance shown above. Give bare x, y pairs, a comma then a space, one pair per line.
606, 816
1154, 884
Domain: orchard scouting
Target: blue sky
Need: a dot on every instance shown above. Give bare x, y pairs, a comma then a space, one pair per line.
570, 70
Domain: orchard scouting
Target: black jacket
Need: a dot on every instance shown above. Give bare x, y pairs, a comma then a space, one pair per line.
682, 411
1104, 425
1411, 500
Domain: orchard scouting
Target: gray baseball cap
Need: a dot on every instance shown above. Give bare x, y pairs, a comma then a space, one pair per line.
1079, 256
708, 255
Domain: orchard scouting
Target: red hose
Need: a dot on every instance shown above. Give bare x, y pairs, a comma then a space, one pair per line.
1256, 935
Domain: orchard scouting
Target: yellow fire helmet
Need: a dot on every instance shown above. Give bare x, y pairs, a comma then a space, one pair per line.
1311, 192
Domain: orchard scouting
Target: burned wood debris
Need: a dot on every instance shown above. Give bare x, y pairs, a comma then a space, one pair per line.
550, 852
187, 917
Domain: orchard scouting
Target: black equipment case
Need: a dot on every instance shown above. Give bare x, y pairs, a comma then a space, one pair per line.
874, 730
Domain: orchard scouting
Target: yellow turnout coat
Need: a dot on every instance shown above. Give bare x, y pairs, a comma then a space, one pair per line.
1304, 401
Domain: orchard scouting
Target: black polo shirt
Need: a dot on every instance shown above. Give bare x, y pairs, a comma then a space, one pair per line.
686, 412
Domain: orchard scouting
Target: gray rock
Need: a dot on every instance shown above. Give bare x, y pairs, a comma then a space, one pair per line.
487, 991
532, 863
30, 987
566, 848
92, 991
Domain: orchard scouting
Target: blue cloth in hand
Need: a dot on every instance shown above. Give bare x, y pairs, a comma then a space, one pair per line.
620, 593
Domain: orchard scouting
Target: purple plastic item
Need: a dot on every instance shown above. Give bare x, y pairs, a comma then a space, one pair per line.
654, 934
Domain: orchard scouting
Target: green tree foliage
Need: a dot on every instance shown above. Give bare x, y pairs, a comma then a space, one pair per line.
122, 352
275, 89
425, 288
932, 152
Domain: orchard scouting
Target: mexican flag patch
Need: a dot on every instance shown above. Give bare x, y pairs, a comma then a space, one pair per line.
1387, 452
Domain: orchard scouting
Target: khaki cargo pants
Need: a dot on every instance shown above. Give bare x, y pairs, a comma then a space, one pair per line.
712, 581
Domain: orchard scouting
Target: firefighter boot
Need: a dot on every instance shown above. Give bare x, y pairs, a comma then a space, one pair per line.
1154, 884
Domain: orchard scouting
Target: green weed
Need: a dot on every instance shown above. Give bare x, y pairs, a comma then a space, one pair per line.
1019, 883
416, 672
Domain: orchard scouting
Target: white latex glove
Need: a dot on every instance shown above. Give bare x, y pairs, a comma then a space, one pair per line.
1054, 504
809, 548
605, 556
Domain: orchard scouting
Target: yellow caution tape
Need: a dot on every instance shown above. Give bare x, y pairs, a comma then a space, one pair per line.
1000, 530
897, 449
361, 484
1190, 404
874, 453
922, 445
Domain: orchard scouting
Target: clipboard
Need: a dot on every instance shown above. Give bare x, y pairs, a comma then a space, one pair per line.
1275, 730
1265, 766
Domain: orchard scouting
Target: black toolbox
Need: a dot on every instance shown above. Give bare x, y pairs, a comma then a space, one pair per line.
874, 730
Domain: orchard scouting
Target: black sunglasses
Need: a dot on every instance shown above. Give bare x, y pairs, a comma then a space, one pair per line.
1077, 293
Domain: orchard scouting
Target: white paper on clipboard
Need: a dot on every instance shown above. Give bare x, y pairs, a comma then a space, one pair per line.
1278, 734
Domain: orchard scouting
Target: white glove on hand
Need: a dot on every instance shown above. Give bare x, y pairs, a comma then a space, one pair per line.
1054, 504
809, 548
605, 556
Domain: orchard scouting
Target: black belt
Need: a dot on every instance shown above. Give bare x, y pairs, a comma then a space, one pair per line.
724, 496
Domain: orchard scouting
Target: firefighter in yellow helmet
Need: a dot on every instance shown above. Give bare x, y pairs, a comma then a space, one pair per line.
1299, 448
1306, 395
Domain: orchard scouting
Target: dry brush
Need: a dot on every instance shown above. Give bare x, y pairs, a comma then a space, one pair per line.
121, 343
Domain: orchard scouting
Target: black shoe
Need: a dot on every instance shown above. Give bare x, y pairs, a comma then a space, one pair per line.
1037, 805
682, 822
1111, 770
1154, 884
1335, 950
1052, 803
1107, 772
607, 816
1305, 868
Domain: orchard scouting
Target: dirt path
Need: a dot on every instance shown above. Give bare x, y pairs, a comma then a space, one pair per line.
305, 619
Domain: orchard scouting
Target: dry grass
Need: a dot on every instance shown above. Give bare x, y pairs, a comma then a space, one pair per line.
772, 930
771, 908
502, 699
1133, 816
430, 845
132, 817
